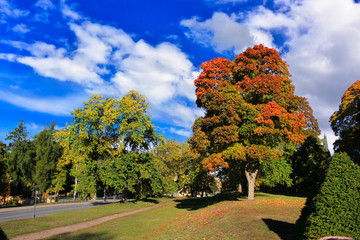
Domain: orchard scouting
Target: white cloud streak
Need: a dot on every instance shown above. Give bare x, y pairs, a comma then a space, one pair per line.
52, 105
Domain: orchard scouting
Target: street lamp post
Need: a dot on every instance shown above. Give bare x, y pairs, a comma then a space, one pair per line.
50, 193
36, 193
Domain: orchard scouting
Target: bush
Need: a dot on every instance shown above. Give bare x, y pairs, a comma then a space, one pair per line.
335, 209
3, 235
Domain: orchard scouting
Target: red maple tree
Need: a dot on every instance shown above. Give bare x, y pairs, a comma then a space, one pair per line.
251, 112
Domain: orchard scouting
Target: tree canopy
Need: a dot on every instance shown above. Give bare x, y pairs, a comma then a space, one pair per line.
251, 112
101, 134
182, 169
346, 123
47, 154
21, 160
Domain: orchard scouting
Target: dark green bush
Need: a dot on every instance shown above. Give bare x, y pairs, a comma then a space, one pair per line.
3, 235
335, 209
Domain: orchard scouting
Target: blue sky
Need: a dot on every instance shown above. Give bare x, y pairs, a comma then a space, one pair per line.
55, 54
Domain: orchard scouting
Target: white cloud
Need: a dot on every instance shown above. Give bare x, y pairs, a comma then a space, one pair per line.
34, 126
181, 114
45, 4
8, 57
225, 1
21, 28
181, 132
160, 72
43, 8
8, 10
59, 106
68, 12
222, 32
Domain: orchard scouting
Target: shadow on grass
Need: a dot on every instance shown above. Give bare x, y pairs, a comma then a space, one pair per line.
193, 203
100, 203
284, 230
87, 236
149, 200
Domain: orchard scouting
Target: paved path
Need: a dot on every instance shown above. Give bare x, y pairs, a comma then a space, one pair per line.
7, 214
76, 227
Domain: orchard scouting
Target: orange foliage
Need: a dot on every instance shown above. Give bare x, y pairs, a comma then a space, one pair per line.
251, 110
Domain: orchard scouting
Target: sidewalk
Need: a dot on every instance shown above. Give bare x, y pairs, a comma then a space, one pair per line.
13, 209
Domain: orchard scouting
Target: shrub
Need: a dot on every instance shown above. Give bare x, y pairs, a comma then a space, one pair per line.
335, 209
3, 235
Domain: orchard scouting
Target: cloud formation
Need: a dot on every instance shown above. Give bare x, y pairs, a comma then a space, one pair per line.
106, 60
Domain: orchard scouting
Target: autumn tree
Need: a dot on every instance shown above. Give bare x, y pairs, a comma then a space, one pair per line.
107, 144
251, 114
346, 123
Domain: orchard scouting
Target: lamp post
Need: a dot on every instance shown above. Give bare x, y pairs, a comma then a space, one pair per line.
36, 193
50, 193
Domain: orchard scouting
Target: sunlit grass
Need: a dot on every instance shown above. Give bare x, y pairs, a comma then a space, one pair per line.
268, 217
19, 227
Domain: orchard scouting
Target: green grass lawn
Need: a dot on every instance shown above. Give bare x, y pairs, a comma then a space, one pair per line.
225, 217
19, 227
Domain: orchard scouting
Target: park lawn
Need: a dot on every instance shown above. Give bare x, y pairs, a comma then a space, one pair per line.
23, 226
268, 217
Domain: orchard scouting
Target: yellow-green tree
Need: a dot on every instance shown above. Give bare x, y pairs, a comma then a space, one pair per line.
98, 142
182, 169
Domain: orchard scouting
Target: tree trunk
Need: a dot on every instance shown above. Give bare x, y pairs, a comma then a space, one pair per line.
251, 176
76, 181
75, 188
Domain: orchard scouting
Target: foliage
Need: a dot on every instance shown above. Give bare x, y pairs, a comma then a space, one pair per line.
3, 235
252, 114
135, 172
21, 161
346, 123
4, 181
309, 165
48, 152
101, 133
182, 169
334, 210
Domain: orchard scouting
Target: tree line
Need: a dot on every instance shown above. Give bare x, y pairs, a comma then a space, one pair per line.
255, 132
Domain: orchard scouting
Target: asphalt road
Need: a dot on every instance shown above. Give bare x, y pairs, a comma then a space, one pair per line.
8, 214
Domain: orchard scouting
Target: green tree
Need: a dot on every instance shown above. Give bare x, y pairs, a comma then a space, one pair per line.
182, 169
21, 161
170, 154
334, 209
4, 177
48, 152
309, 165
252, 115
101, 134
346, 123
